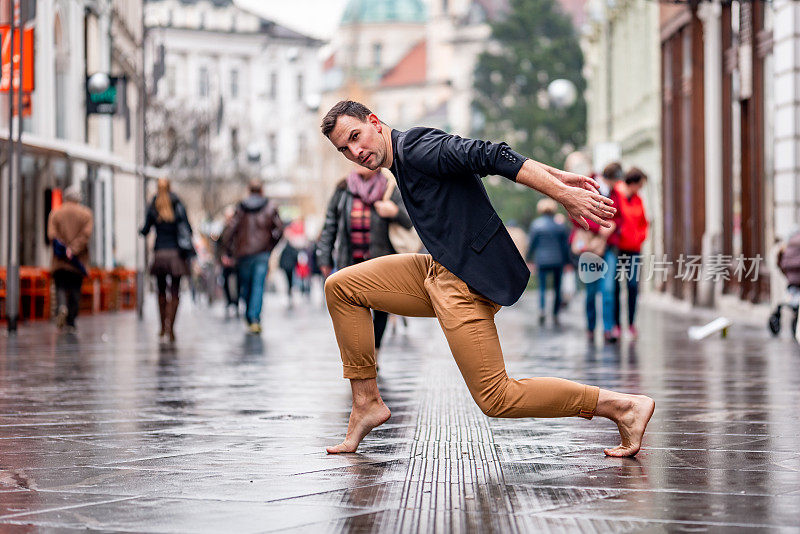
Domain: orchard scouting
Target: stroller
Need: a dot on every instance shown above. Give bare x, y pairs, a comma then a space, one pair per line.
792, 303
789, 263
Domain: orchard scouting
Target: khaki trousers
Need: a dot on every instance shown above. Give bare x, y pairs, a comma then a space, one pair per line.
415, 285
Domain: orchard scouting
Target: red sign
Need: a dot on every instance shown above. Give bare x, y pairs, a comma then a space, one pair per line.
27, 58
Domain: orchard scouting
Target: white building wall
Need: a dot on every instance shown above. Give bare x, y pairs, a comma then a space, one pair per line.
272, 126
786, 109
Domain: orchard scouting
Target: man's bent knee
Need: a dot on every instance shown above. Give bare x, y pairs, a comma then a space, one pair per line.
333, 286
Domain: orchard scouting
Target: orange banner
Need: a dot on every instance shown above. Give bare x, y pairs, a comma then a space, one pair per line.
27, 59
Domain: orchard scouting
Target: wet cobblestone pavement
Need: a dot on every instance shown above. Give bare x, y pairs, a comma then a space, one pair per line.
108, 430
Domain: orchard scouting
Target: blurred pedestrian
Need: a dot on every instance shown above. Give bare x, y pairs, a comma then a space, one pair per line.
288, 261
171, 252
69, 228
612, 173
591, 240
254, 231
302, 272
789, 258
549, 251
356, 227
632, 231
228, 267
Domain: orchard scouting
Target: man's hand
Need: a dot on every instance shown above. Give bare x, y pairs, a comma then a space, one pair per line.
325, 270
582, 204
386, 209
577, 180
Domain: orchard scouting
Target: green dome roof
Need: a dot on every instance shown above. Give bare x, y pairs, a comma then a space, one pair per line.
384, 11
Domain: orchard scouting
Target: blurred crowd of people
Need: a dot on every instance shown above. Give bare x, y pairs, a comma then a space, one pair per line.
234, 262
555, 245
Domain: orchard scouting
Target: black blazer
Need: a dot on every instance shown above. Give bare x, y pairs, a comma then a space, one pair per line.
439, 176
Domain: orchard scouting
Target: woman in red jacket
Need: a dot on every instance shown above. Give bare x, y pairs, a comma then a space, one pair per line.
632, 232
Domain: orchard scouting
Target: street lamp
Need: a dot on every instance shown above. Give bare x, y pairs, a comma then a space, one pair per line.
99, 82
562, 93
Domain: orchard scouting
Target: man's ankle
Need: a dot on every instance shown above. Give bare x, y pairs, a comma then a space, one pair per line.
363, 401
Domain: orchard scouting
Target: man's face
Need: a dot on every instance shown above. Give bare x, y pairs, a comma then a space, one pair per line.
360, 141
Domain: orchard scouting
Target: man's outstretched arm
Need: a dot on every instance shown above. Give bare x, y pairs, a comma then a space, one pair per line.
582, 201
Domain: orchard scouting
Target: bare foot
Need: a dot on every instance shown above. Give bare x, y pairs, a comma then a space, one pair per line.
363, 418
632, 423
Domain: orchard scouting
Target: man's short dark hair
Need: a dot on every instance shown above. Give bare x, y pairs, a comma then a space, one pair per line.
612, 171
344, 107
634, 176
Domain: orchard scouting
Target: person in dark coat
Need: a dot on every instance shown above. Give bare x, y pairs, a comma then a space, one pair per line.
165, 213
549, 251
356, 227
252, 234
228, 264
287, 262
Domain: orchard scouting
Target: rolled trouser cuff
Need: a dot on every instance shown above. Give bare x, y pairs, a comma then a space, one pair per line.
359, 372
589, 403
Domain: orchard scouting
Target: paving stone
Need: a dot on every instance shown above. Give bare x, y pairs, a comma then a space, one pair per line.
225, 432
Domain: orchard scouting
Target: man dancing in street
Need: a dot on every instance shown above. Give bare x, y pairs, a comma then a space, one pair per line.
473, 270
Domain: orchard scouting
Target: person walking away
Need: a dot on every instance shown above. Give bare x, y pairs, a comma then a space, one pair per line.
472, 271
69, 228
287, 263
356, 228
254, 231
167, 215
549, 251
228, 271
632, 232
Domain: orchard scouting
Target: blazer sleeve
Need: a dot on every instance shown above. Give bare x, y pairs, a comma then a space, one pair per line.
436, 153
328, 236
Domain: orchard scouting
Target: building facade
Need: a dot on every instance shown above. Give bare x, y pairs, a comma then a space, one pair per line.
722, 134
62, 144
234, 97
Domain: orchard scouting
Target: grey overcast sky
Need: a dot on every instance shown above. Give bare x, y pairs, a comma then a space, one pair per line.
317, 18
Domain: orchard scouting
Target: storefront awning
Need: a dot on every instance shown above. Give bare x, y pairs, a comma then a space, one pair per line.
35, 144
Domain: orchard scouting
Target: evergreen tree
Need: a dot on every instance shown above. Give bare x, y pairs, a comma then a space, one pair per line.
537, 44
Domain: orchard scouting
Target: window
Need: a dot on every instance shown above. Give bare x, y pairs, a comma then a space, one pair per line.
273, 148
61, 78
234, 83
299, 87
170, 80
235, 143
302, 148
273, 85
377, 48
202, 88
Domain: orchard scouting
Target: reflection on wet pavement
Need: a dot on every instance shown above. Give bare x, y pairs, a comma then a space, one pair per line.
226, 432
